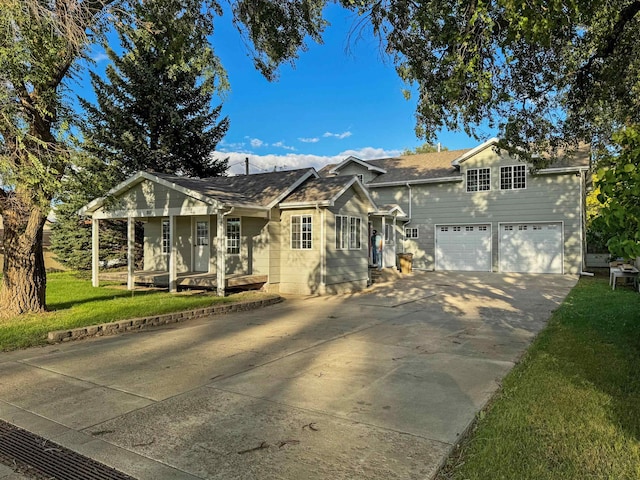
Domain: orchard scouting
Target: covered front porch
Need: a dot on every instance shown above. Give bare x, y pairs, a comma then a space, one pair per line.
191, 240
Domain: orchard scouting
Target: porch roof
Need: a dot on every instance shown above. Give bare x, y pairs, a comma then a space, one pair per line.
325, 191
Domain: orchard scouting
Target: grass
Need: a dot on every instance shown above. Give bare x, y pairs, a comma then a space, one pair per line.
571, 408
73, 302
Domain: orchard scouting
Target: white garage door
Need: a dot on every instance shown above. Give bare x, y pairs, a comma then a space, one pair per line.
463, 247
531, 247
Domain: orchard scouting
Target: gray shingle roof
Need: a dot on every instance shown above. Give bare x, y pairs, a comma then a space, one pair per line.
417, 167
258, 189
323, 189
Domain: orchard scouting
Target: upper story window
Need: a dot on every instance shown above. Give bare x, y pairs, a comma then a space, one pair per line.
301, 232
513, 177
478, 179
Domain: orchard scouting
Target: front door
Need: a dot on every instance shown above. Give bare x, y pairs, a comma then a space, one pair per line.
201, 246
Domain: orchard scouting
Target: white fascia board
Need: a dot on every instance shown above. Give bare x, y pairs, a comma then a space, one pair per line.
390, 213
362, 163
310, 204
415, 182
359, 186
311, 173
548, 171
491, 142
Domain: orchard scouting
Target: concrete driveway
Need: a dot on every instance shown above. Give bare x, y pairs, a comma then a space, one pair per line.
377, 385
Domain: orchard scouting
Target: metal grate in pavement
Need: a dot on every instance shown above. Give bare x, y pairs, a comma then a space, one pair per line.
44, 459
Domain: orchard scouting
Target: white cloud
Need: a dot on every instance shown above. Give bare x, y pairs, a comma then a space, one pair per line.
309, 140
339, 136
256, 143
100, 57
290, 161
282, 145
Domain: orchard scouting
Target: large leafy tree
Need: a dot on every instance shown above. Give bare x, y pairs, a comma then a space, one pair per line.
619, 184
154, 110
40, 42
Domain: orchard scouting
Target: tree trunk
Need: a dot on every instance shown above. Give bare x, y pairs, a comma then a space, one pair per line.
24, 277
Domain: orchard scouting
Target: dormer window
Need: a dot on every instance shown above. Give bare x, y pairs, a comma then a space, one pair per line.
478, 179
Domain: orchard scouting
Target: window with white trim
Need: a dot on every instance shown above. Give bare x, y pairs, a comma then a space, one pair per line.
301, 232
166, 246
513, 177
389, 237
457, 229
354, 233
468, 229
478, 179
342, 232
202, 233
233, 236
348, 232
411, 232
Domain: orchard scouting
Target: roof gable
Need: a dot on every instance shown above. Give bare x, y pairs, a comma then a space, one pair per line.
325, 191
354, 160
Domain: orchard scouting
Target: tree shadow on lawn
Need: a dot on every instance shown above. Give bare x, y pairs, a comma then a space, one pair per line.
597, 343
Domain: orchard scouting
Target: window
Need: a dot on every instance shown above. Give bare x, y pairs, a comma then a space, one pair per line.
537, 227
457, 229
508, 228
166, 246
342, 232
202, 234
482, 228
444, 229
522, 227
468, 229
233, 236
388, 234
413, 232
301, 230
513, 177
354, 233
478, 180
348, 234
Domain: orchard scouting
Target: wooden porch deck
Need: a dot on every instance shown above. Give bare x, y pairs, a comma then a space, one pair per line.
202, 280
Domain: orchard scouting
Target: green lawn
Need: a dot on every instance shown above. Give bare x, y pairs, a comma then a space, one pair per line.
73, 302
571, 408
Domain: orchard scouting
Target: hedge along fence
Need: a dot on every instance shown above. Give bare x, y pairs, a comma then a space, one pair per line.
123, 326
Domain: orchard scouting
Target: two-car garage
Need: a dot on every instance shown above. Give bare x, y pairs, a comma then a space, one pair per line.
522, 247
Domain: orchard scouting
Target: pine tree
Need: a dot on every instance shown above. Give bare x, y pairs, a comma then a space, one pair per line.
153, 110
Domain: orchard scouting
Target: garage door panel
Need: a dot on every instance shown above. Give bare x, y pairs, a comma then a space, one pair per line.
463, 247
531, 248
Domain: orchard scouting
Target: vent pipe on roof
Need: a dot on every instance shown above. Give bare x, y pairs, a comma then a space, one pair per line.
438, 147
246, 165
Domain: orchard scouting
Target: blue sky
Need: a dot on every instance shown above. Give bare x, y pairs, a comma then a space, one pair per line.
331, 104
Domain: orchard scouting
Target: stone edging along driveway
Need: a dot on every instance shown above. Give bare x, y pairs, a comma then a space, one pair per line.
122, 326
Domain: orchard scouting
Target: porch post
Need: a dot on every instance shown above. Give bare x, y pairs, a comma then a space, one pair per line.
95, 259
173, 268
383, 233
221, 254
131, 244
